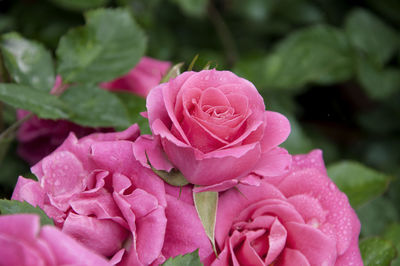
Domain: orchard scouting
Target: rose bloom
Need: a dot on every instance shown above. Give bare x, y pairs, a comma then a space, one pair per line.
39, 137
214, 128
96, 192
301, 220
140, 80
23, 242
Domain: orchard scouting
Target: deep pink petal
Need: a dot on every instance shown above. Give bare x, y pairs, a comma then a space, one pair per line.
88, 231
185, 232
142, 78
69, 251
20, 226
150, 233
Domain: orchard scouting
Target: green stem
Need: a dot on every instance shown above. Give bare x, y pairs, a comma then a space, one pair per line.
11, 129
224, 35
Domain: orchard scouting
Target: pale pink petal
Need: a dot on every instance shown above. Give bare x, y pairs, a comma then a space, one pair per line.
233, 201
319, 186
312, 159
64, 174
274, 163
224, 185
309, 208
29, 191
146, 144
351, 256
316, 246
277, 130
277, 241
292, 257
215, 167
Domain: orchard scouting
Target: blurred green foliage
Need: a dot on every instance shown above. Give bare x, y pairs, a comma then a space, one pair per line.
332, 67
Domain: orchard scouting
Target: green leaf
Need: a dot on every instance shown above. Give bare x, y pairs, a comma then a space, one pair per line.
134, 105
95, 107
172, 73
28, 62
174, 177
79, 5
206, 204
371, 35
319, 54
189, 259
392, 234
377, 251
14, 206
360, 183
193, 8
379, 83
41, 103
298, 141
11, 167
108, 46
376, 215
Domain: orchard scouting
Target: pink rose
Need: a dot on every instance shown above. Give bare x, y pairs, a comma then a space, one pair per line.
214, 128
302, 220
140, 80
97, 192
39, 137
23, 242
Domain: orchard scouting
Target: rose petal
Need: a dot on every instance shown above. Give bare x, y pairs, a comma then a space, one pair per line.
277, 240
151, 226
29, 191
88, 231
316, 246
277, 130
212, 168
185, 232
292, 257
68, 251
311, 160
319, 186
233, 201
274, 163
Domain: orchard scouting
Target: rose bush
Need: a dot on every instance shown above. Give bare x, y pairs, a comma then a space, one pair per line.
214, 128
96, 192
302, 220
23, 242
39, 137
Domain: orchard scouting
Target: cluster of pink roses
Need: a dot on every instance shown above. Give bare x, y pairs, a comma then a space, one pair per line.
273, 208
